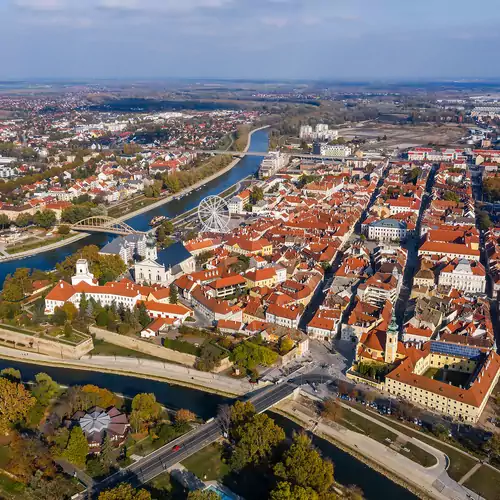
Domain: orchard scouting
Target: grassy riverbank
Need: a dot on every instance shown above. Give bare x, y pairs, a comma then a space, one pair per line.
358, 456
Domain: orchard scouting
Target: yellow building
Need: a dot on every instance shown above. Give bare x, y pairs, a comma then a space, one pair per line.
481, 370
261, 277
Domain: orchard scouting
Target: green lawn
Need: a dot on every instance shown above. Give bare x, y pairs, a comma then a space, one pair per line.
460, 464
207, 464
369, 428
37, 244
486, 482
419, 455
102, 348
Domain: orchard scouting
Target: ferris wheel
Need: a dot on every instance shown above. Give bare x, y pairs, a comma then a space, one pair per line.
213, 213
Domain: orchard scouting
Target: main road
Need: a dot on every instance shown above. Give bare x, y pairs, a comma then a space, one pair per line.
183, 447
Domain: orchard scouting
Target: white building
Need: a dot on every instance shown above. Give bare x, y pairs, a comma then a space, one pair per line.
335, 150
272, 164
321, 133
149, 270
127, 247
387, 230
122, 294
306, 132
284, 316
463, 274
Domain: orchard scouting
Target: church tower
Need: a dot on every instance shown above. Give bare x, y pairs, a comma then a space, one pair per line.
391, 340
151, 251
83, 273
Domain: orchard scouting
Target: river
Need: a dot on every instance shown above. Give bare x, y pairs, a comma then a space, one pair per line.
248, 165
348, 470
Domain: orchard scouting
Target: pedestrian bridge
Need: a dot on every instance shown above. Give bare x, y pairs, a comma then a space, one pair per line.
104, 224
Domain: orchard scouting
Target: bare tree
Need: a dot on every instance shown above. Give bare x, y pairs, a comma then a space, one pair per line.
224, 418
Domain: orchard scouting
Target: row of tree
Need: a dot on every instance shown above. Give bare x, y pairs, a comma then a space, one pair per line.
292, 471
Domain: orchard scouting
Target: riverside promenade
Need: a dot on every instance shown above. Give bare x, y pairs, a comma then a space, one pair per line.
130, 215
433, 481
142, 368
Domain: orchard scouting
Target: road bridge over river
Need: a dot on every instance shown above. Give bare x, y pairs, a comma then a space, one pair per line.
294, 154
165, 457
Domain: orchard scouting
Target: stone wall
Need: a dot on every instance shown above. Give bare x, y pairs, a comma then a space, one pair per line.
144, 347
45, 346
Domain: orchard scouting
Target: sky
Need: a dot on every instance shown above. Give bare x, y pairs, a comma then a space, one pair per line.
254, 39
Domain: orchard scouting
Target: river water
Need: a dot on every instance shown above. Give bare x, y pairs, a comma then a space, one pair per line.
245, 167
347, 469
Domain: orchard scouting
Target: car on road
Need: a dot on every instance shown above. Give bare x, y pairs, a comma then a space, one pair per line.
176, 447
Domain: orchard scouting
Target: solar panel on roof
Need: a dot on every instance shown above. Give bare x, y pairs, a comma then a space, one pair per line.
455, 350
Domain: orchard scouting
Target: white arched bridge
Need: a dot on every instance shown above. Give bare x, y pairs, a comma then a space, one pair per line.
104, 224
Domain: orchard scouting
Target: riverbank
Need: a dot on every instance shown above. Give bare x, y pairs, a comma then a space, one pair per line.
426, 482
140, 368
287, 410
135, 213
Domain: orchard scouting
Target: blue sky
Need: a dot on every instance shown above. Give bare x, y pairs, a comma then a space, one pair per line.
338, 39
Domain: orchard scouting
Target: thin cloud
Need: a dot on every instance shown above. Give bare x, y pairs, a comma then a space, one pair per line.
40, 5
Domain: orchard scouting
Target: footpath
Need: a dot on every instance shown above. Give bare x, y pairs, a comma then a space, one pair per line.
433, 481
142, 368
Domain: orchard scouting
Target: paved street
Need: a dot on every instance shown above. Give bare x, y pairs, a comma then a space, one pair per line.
154, 464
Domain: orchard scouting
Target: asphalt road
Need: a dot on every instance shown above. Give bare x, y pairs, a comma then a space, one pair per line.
154, 464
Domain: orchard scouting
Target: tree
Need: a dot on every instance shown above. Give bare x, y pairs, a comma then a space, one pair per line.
4, 221
106, 455
286, 491
45, 388
208, 359
202, 495
145, 409
68, 329
256, 195
241, 413
142, 315
12, 291
15, 403
45, 219
83, 306
451, 196
286, 345
484, 220
29, 455
23, 220
98, 396
71, 311
332, 410
184, 415
303, 466
78, 448
304, 146
102, 318
224, 418
492, 447
125, 492
63, 229
249, 355
11, 374
257, 439
174, 294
